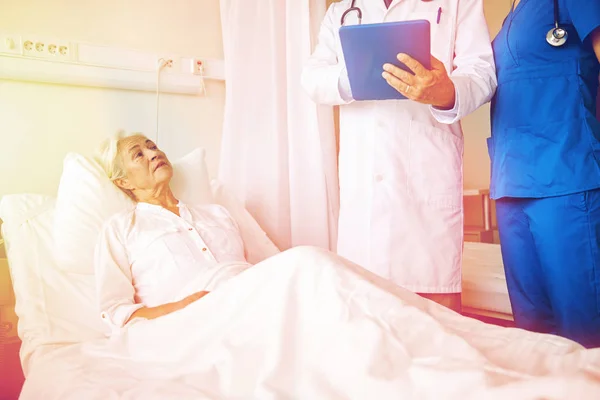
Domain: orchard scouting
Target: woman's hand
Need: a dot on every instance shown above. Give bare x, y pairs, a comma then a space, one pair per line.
192, 298
433, 87
165, 309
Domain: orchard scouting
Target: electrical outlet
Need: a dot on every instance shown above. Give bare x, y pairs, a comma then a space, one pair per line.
10, 44
197, 67
172, 64
206, 67
47, 48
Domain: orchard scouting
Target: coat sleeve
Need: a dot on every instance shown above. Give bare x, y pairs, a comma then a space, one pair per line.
474, 74
324, 75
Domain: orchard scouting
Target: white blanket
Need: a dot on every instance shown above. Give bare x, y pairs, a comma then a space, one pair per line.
306, 324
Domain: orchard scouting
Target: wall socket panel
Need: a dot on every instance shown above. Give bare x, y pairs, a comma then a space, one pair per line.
184, 65
49, 48
37, 47
32, 47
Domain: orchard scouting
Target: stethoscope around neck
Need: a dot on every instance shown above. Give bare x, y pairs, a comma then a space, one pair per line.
359, 11
350, 9
555, 37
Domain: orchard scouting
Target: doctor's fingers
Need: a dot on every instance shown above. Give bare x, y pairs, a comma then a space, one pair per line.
413, 64
402, 87
401, 74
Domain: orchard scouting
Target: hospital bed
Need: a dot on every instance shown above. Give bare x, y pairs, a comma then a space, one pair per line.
56, 305
484, 284
48, 241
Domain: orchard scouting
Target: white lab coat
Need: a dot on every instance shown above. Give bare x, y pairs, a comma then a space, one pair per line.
400, 162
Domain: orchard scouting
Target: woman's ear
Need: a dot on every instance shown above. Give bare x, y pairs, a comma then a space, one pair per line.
123, 183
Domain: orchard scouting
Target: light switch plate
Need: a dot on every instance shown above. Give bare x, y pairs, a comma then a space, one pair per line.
10, 44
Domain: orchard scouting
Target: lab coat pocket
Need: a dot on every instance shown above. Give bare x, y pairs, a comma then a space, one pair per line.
435, 174
441, 33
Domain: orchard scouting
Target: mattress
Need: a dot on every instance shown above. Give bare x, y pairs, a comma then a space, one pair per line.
484, 283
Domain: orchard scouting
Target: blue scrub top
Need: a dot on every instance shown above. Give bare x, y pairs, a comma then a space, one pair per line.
545, 136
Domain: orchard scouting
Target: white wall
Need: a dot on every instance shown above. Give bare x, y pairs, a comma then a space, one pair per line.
40, 123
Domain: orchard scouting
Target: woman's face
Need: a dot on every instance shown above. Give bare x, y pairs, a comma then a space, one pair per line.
147, 167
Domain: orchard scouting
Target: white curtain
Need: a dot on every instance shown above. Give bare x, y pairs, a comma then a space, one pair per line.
278, 152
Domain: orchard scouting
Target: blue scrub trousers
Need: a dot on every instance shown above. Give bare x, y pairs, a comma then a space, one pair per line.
550, 247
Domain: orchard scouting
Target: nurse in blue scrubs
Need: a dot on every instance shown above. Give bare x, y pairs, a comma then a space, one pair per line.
545, 153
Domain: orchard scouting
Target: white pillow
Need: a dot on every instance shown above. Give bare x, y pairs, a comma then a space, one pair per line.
257, 244
53, 306
86, 198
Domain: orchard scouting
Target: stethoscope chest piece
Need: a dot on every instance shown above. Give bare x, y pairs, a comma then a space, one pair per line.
557, 37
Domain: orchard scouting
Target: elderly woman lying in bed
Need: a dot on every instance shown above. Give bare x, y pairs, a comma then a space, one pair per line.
302, 324
147, 256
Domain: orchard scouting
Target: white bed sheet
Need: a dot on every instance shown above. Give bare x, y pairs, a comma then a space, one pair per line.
484, 282
309, 325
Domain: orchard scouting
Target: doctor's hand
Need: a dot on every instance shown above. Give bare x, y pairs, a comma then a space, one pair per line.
433, 87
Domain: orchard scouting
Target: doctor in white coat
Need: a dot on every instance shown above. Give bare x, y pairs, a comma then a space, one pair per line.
400, 161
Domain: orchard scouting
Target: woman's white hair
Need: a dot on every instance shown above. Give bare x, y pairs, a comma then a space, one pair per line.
109, 158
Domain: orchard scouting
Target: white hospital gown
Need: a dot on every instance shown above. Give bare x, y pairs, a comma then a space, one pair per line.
149, 256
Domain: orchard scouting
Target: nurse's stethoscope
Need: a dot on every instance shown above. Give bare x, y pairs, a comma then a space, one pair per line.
556, 36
